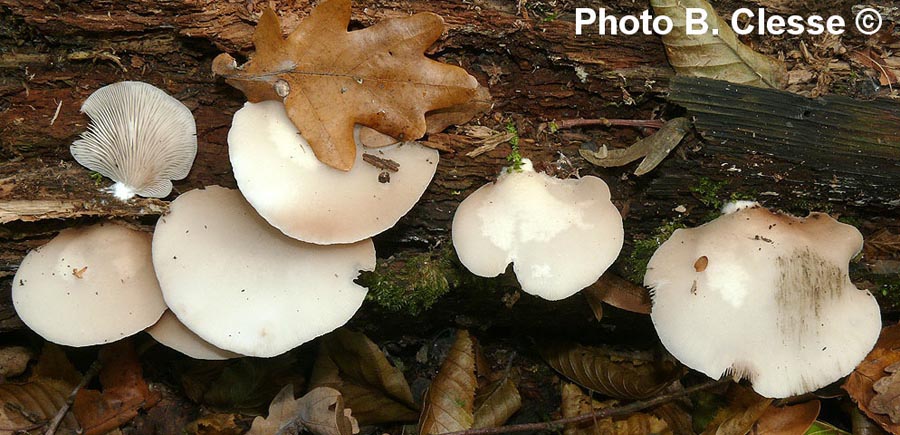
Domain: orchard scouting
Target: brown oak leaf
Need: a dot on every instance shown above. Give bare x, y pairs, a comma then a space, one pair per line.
331, 79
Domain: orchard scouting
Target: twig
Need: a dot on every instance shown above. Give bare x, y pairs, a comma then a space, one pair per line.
603, 413
56, 114
57, 419
380, 163
580, 122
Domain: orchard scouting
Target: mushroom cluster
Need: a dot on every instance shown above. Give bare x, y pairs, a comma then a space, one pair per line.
771, 293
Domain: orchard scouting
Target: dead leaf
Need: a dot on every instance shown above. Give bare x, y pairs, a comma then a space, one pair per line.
620, 293
676, 418
887, 394
321, 411
496, 403
32, 403
450, 401
598, 370
381, 79
436, 121
743, 411
14, 360
376, 391
575, 403
54, 364
787, 420
653, 149
722, 56
124, 391
214, 424
886, 74
860, 384
822, 428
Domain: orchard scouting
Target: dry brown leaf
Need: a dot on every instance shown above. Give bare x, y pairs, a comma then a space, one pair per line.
450, 401
496, 403
740, 415
886, 75
787, 420
54, 364
376, 391
381, 78
575, 403
620, 293
597, 370
676, 417
321, 412
124, 391
214, 424
860, 384
887, 394
722, 56
653, 149
14, 360
436, 120
26, 405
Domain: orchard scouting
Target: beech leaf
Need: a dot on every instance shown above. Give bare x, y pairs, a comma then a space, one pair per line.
740, 415
450, 401
618, 292
496, 403
376, 391
887, 394
321, 412
575, 403
37, 401
861, 382
718, 56
787, 420
124, 391
597, 370
331, 79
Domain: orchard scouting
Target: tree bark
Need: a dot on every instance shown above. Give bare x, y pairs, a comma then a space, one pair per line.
53, 55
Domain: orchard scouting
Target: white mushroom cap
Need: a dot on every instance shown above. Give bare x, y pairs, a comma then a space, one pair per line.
89, 286
139, 136
243, 286
764, 296
172, 333
560, 235
280, 176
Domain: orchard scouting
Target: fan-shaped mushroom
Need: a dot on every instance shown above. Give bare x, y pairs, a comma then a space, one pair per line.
139, 136
89, 286
764, 296
560, 235
304, 198
243, 286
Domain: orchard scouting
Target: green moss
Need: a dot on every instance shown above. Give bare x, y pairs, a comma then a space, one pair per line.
97, 177
514, 159
411, 284
708, 192
636, 263
889, 288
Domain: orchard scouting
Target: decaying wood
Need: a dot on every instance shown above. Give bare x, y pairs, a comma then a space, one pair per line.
53, 56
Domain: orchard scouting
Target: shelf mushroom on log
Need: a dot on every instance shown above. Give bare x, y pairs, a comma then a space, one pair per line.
282, 179
764, 296
88, 286
140, 137
243, 286
560, 235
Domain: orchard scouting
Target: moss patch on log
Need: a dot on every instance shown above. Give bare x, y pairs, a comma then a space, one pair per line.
411, 284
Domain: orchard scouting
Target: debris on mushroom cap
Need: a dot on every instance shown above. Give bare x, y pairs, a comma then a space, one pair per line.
172, 333
560, 235
243, 286
89, 286
139, 136
304, 198
764, 296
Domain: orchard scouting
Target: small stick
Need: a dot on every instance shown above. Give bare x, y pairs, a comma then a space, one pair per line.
56, 115
380, 163
600, 414
57, 419
581, 122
